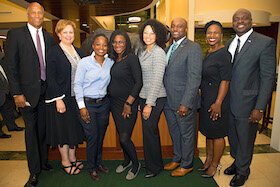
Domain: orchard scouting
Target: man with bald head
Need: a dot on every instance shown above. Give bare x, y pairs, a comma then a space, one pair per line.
253, 75
182, 80
26, 48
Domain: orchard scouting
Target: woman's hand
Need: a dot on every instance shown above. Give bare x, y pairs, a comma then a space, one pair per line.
126, 111
215, 110
60, 106
85, 115
147, 112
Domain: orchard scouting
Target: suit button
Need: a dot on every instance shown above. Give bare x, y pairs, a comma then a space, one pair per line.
209, 83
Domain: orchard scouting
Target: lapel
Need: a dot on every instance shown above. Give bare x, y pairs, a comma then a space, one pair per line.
178, 51
249, 42
29, 40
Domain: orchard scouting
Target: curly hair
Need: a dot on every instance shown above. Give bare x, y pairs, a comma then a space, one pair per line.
213, 22
158, 28
112, 53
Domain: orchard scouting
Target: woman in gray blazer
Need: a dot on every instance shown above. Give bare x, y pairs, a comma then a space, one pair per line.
153, 94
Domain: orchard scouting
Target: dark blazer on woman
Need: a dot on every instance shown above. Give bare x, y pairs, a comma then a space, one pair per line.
59, 72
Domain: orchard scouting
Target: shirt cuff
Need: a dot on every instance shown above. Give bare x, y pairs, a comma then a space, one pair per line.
81, 104
54, 99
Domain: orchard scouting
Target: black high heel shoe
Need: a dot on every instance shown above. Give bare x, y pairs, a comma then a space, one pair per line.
218, 168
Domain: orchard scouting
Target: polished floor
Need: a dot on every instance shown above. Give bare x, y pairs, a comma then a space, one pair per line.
265, 166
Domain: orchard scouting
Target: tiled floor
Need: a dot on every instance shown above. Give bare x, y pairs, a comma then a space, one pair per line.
265, 167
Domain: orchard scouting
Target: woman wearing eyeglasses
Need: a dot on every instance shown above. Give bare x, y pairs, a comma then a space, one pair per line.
124, 88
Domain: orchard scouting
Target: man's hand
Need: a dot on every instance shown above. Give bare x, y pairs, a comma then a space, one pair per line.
255, 116
20, 101
183, 111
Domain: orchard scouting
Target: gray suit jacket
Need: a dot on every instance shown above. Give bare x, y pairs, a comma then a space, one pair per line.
183, 76
253, 75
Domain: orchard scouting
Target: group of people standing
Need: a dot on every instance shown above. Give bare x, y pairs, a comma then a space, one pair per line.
64, 95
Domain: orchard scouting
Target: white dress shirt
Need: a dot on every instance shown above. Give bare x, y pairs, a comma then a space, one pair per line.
243, 39
32, 31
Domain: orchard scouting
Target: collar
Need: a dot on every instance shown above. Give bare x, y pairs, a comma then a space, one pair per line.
32, 29
179, 41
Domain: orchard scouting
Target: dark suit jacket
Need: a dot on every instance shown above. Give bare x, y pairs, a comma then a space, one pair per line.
59, 72
183, 75
253, 75
3, 92
23, 62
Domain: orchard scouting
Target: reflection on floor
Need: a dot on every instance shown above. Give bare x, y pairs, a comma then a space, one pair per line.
265, 166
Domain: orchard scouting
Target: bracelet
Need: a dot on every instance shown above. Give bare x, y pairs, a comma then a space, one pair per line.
127, 103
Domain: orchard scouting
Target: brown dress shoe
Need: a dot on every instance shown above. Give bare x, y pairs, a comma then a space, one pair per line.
180, 172
94, 176
103, 168
171, 165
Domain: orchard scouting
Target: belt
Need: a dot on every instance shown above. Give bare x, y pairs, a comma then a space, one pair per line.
97, 100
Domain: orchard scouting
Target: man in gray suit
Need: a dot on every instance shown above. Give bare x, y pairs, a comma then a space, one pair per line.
253, 74
182, 79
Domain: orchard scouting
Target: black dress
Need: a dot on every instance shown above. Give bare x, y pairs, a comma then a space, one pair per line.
216, 67
62, 128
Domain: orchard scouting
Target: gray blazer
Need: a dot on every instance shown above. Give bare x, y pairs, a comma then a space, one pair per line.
253, 75
183, 76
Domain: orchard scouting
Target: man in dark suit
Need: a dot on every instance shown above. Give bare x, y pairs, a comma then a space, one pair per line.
253, 74
25, 50
7, 108
181, 80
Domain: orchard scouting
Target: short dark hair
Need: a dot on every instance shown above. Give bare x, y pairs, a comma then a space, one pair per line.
112, 54
98, 35
213, 22
159, 29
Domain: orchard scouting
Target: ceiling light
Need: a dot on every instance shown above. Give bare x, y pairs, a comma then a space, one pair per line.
134, 19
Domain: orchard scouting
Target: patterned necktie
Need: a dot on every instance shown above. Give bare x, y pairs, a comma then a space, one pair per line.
236, 50
174, 47
40, 55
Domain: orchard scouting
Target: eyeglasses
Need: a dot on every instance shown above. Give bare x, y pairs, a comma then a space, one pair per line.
119, 43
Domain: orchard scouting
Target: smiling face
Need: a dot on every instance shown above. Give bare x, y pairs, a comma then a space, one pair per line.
242, 22
66, 35
214, 35
178, 28
149, 37
35, 15
119, 44
100, 46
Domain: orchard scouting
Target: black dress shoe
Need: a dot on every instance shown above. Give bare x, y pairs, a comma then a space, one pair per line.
17, 129
231, 170
47, 167
238, 180
150, 175
94, 176
103, 168
32, 181
5, 135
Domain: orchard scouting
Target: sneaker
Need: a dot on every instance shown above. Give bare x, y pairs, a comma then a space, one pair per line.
122, 168
130, 175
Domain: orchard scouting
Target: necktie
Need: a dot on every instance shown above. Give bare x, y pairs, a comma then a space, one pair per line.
236, 50
174, 47
40, 55
4, 83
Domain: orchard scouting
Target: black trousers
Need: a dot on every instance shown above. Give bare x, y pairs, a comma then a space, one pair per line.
151, 138
125, 128
35, 133
7, 111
